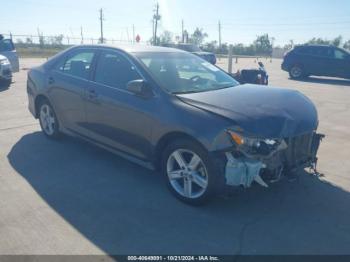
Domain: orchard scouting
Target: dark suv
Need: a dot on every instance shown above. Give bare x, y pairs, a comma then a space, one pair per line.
319, 60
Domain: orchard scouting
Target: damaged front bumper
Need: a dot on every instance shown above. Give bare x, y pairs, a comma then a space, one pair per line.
291, 155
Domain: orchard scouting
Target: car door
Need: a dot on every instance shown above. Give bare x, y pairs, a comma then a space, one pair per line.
116, 117
340, 63
317, 60
68, 82
324, 60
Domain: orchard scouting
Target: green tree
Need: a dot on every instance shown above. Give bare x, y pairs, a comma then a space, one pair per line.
337, 41
165, 38
223, 49
321, 41
347, 45
29, 41
210, 46
263, 45
289, 46
57, 40
198, 36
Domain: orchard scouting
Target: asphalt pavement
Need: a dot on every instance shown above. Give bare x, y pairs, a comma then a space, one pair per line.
69, 197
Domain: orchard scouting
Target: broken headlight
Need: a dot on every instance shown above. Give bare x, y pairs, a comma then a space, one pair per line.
254, 146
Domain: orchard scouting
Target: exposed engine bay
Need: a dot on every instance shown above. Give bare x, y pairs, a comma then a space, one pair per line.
267, 160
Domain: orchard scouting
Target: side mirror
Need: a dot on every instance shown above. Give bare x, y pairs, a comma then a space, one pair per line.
140, 88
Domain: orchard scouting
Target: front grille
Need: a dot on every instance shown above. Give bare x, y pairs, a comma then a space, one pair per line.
7, 72
299, 150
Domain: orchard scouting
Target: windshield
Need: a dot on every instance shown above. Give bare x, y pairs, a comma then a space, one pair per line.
189, 48
185, 73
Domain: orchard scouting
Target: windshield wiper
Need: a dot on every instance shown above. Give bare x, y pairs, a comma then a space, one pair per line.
221, 86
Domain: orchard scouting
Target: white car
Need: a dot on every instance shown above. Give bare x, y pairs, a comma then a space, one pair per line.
5, 70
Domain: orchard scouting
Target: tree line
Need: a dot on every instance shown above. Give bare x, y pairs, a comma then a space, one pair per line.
262, 45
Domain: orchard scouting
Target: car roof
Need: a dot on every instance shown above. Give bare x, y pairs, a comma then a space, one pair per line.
136, 48
314, 45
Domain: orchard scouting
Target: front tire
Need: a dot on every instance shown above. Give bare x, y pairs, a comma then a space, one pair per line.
48, 120
189, 172
6, 82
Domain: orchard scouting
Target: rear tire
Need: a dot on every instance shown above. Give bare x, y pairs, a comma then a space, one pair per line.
48, 120
189, 172
296, 72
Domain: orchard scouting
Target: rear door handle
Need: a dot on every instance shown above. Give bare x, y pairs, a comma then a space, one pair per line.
51, 80
92, 95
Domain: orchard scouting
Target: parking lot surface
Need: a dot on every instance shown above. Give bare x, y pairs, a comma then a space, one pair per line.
69, 197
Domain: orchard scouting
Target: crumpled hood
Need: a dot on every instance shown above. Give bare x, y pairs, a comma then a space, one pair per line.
261, 111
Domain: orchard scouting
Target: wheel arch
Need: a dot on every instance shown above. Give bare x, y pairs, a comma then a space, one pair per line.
37, 101
166, 139
296, 63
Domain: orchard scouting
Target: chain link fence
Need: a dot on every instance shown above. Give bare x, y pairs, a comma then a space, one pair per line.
46, 46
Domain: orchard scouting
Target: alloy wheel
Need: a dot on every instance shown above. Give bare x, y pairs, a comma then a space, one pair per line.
296, 72
47, 119
187, 173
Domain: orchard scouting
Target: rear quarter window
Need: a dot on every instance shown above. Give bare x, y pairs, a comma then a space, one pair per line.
304, 50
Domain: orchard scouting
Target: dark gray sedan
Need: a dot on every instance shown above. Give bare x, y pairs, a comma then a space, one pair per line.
173, 111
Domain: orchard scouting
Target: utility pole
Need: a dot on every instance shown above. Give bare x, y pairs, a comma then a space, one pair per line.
133, 34
40, 38
156, 18
182, 31
101, 24
219, 34
127, 34
81, 34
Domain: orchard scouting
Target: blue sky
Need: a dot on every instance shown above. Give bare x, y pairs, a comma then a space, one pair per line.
241, 20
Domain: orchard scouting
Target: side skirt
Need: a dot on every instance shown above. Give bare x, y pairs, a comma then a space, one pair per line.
138, 161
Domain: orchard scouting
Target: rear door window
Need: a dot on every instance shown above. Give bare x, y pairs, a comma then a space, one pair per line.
323, 51
78, 64
320, 51
304, 50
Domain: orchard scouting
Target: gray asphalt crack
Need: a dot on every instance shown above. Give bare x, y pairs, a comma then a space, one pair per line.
15, 127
